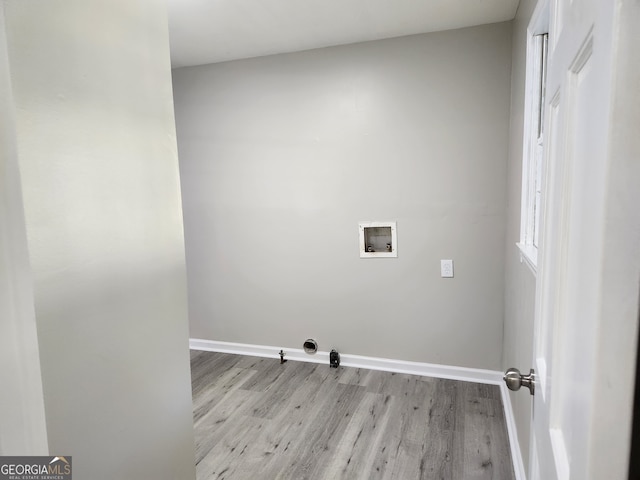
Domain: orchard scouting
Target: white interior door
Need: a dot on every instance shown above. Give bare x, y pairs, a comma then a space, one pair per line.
574, 288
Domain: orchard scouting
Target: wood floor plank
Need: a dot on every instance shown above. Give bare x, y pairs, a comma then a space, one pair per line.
355, 453
257, 418
296, 428
280, 391
208, 398
207, 367
297, 420
228, 456
317, 448
227, 416
484, 450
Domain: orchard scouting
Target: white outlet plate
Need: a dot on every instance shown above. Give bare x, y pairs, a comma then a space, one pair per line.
446, 268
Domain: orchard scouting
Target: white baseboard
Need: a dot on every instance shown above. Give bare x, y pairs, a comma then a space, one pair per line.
346, 360
490, 377
516, 453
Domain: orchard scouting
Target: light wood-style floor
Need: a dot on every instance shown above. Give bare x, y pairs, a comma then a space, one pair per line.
257, 419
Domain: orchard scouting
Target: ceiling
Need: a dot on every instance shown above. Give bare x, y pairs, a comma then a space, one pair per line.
210, 31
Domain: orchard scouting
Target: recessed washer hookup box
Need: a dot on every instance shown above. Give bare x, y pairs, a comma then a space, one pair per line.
378, 240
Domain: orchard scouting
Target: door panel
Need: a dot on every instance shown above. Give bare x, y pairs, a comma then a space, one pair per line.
568, 283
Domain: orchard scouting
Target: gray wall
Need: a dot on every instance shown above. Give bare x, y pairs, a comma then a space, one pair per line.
520, 283
282, 156
98, 160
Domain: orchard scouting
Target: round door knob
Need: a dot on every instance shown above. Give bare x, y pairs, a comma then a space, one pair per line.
514, 380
